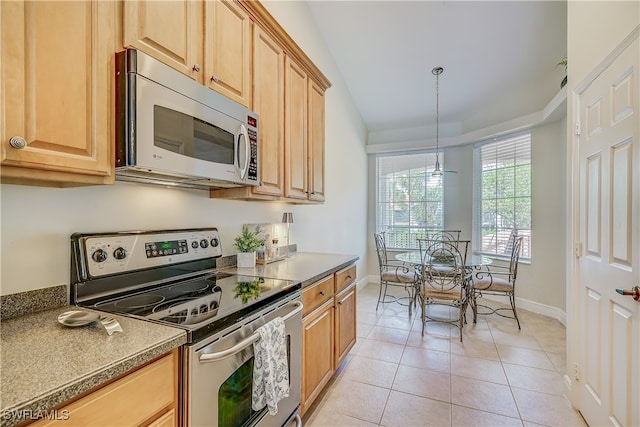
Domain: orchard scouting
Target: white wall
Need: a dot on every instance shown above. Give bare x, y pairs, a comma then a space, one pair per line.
37, 222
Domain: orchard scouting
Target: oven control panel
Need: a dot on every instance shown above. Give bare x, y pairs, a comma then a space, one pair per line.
119, 253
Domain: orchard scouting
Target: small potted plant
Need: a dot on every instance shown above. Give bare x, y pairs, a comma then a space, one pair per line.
247, 243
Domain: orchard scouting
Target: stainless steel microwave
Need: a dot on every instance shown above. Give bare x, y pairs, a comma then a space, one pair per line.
172, 130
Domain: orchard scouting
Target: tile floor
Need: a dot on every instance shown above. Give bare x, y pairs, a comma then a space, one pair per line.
498, 376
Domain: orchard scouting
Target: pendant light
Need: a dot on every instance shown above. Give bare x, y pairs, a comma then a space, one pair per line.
437, 171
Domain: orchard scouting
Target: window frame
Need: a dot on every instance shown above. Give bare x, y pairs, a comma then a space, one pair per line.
389, 225
502, 250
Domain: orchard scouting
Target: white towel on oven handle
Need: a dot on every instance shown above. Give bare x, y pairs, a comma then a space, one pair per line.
270, 367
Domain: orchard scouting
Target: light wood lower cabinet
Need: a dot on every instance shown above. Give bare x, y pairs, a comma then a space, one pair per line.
146, 397
317, 352
345, 317
328, 330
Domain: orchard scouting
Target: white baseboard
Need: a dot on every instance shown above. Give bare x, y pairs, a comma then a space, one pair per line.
535, 307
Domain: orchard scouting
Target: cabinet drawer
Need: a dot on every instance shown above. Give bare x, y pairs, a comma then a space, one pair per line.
345, 276
317, 294
129, 401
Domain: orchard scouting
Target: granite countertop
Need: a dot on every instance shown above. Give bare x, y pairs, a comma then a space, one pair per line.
306, 267
45, 364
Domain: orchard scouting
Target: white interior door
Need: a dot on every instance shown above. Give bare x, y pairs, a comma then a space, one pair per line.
609, 331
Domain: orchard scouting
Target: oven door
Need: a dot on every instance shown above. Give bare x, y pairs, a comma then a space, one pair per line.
219, 377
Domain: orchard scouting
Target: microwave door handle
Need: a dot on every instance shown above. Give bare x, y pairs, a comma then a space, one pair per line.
243, 138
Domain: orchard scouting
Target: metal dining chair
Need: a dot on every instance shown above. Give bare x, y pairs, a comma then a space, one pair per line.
394, 273
444, 279
498, 280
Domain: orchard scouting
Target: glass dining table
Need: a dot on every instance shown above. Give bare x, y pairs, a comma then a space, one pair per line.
472, 262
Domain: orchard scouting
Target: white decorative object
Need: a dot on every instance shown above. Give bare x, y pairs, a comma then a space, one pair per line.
246, 259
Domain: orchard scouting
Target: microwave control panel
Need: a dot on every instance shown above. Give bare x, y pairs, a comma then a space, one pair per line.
252, 131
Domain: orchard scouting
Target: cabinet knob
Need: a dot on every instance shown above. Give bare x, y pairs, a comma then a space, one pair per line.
214, 78
322, 293
17, 142
196, 68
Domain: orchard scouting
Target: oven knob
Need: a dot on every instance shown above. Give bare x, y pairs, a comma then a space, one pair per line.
120, 253
204, 243
215, 242
99, 255
194, 244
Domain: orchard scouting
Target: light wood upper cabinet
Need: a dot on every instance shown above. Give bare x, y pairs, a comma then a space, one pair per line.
227, 50
316, 142
170, 31
295, 131
268, 103
56, 91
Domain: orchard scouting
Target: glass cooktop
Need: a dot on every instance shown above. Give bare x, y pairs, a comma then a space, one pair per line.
200, 302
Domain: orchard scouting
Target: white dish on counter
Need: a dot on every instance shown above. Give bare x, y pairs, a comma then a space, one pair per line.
76, 318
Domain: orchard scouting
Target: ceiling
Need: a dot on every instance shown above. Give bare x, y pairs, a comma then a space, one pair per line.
499, 60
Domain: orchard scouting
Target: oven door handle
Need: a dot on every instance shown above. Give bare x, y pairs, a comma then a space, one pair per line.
212, 357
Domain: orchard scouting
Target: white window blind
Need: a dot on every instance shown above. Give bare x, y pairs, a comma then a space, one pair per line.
502, 194
409, 200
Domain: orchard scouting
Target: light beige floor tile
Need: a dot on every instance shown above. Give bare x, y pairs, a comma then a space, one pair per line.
559, 360
433, 328
329, 418
476, 332
466, 417
475, 348
370, 371
391, 335
368, 317
552, 343
404, 410
363, 329
426, 359
525, 357
358, 400
483, 395
397, 322
428, 341
515, 339
546, 409
423, 382
379, 350
534, 379
479, 369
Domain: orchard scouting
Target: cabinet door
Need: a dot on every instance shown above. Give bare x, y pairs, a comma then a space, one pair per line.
345, 323
268, 102
170, 31
56, 88
227, 50
317, 352
295, 110
316, 142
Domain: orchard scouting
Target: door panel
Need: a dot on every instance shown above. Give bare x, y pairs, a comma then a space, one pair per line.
609, 228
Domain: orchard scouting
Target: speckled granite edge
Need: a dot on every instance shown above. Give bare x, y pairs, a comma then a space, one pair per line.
63, 394
329, 271
22, 303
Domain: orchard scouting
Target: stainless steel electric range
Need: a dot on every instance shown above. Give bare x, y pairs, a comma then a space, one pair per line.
170, 277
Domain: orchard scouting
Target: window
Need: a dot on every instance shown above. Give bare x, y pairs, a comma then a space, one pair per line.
408, 198
502, 195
